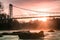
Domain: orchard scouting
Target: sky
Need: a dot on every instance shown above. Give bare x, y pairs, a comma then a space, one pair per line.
5, 3
37, 5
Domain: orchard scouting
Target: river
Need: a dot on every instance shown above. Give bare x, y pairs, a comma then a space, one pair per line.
48, 36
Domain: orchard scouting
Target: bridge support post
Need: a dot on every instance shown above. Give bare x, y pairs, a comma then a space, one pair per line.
10, 10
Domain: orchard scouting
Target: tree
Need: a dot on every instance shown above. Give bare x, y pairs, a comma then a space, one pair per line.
6, 23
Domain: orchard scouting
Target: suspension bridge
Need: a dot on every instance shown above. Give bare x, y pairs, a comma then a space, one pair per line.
40, 12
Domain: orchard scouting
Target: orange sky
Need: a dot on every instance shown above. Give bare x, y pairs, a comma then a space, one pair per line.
38, 5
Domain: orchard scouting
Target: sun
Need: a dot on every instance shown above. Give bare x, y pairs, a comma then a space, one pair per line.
40, 19
43, 19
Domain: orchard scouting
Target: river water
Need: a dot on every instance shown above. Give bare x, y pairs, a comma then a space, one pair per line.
48, 36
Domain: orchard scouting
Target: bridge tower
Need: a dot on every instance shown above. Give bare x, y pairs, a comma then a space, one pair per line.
10, 10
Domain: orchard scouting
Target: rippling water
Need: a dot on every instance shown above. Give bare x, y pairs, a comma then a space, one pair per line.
49, 36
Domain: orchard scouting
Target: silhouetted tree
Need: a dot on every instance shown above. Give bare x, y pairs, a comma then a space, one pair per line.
6, 23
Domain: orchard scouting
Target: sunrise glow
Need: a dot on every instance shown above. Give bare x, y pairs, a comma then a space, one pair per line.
34, 31
43, 19
40, 19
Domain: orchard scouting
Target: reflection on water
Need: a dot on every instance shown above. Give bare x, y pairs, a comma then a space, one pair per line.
52, 36
48, 36
33, 39
9, 37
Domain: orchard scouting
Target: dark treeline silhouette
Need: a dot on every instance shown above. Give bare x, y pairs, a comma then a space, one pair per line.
56, 24
29, 25
11, 24
3, 22
53, 24
6, 23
